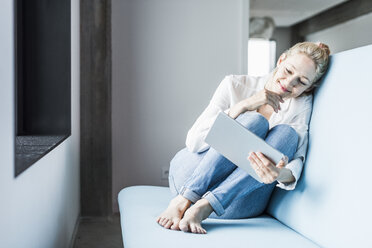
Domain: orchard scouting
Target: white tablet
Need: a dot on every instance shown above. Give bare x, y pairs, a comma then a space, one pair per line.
235, 142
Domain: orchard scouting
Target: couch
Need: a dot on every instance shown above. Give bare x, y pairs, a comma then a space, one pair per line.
332, 203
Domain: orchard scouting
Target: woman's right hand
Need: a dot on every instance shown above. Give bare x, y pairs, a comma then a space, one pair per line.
254, 102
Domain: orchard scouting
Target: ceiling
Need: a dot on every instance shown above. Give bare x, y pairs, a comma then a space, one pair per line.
288, 12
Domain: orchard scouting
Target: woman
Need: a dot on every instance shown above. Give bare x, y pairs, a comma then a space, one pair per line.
276, 107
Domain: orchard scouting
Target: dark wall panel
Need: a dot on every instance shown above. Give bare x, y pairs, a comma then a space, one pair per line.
44, 56
42, 78
95, 107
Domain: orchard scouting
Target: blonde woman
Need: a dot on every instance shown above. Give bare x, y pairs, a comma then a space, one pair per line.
276, 107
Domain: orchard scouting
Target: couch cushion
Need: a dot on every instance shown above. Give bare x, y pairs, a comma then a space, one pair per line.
140, 205
332, 202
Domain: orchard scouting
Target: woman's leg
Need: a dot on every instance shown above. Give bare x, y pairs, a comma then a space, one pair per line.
181, 168
241, 196
215, 168
205, 171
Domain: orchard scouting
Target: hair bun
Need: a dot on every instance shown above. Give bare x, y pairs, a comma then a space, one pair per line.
324, 47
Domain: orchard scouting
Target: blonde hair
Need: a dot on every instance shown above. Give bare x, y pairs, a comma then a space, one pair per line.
317, 51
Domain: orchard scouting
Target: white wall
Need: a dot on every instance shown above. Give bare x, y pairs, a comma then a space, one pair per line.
168, 58
40, 207
345, 36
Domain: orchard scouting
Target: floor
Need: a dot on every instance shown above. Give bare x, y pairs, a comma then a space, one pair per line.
99, 232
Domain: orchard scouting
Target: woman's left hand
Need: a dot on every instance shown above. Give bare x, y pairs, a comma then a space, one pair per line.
265, 168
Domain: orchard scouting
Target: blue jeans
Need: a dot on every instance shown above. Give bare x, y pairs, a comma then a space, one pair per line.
231, 191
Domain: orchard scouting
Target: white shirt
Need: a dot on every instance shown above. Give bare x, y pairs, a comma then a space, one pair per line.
295, 112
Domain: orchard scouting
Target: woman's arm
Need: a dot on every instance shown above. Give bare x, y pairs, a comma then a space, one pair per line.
268, 171
219, 102
254, 102
287, 175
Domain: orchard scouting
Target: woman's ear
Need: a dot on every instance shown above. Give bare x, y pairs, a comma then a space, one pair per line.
281, 59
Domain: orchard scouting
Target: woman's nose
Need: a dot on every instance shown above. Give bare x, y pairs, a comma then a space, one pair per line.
290, 82
287, 83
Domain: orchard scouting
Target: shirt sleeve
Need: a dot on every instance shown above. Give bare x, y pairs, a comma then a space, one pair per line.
300, 123
219, 102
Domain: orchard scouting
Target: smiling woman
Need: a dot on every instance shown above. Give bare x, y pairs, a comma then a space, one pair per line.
275, 107
290, 80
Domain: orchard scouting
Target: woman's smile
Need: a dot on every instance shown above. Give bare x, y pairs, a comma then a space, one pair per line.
284, 89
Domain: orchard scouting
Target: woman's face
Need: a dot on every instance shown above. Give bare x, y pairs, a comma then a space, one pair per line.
292, 76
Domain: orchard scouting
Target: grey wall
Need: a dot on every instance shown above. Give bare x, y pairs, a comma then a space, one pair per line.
40, 207
168, 58
282, 36
345, 36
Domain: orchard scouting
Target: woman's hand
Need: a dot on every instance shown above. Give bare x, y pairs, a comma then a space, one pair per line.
268, 171
254, 102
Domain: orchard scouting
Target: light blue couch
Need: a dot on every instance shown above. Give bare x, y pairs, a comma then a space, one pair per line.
332, 203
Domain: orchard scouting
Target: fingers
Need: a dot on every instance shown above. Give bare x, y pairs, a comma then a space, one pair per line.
263, 167
256, 167
261, 164
274, 100
285, 159
264, 159
281, 164
274, 95
274, 105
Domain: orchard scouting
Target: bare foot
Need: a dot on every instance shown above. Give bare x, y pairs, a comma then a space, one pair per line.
191, 221
171, 217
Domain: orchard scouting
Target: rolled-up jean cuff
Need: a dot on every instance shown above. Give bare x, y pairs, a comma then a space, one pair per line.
216, 205
189, 194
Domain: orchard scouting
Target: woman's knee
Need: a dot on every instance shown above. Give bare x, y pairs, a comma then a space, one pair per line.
284, 138
184, 160
285, 131
181, 168
255, 122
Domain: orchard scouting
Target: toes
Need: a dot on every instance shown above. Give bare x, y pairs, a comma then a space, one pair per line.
175, 225
168, 224
163, 221
159, 219
183, 226
193, 228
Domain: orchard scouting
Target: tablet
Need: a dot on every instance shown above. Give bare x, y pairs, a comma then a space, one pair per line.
235, 142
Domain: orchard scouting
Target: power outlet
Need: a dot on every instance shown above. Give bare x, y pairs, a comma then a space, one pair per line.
164, 173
